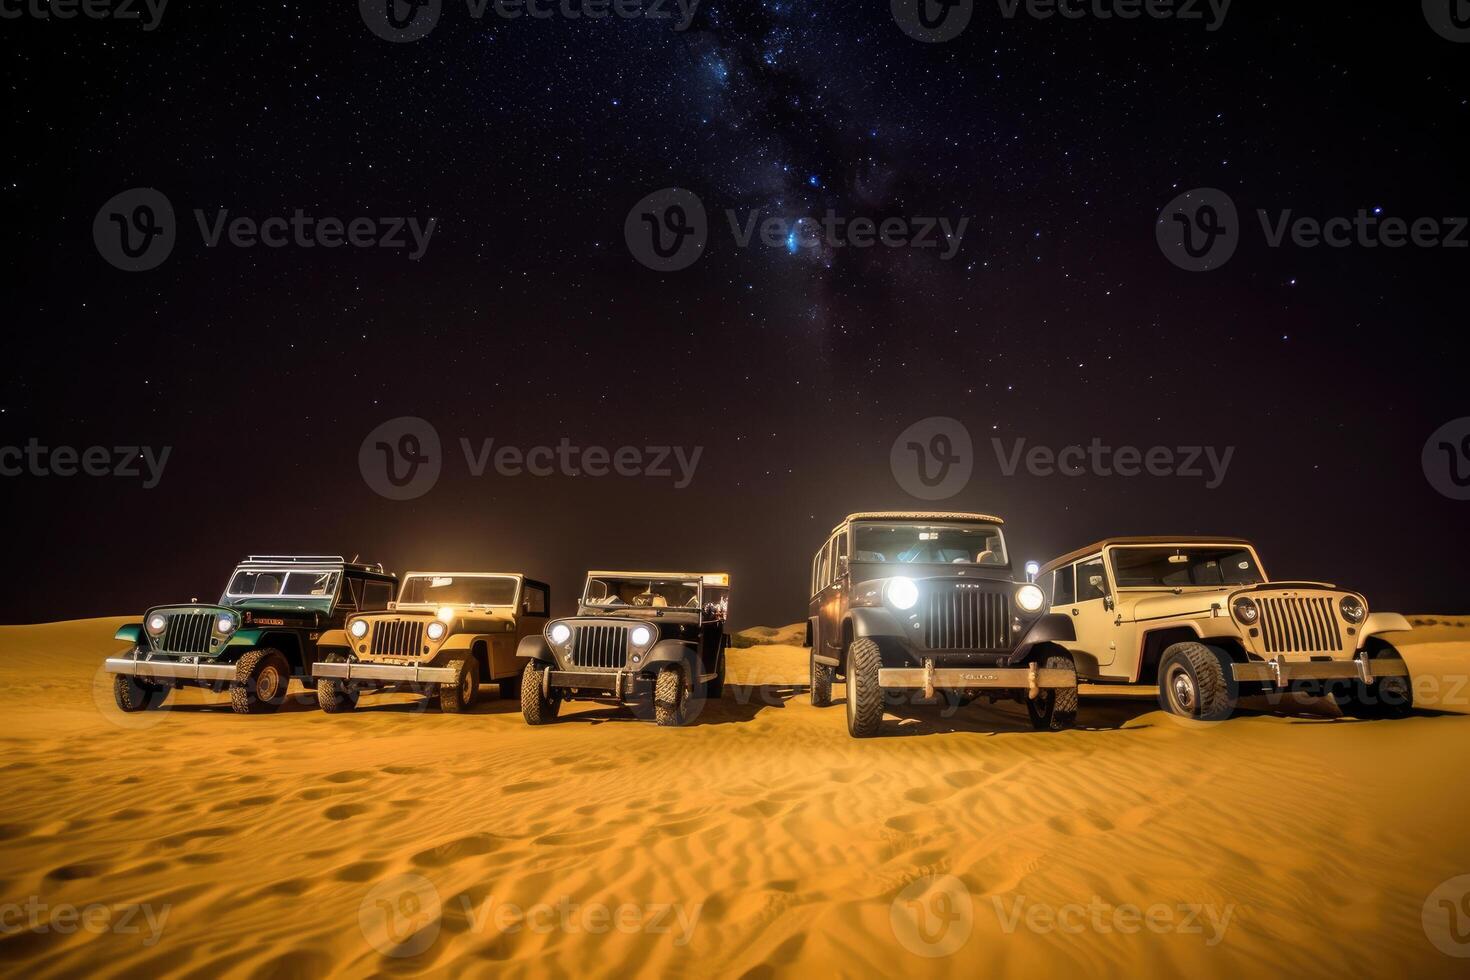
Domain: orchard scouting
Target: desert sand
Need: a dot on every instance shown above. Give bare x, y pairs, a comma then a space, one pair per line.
760, 841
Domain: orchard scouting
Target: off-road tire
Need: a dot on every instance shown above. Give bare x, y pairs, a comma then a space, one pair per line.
1195, 682
251, 692
821, 683
1055, 708
536, 709
132, 694
333, 696
1387, 697
864, 695
460, 696
715, 689
671, 696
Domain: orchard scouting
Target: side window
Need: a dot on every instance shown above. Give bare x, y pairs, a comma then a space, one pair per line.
1063, 590
1092, 581
350, 599
822, 563
533, 600
376, 596
841, 553
816, 576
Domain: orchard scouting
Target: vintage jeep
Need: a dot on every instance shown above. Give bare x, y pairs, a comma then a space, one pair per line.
637, 636
1199, 617
448, 633
263, 632
928, 602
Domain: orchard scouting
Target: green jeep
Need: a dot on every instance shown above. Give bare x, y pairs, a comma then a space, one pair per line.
262, 632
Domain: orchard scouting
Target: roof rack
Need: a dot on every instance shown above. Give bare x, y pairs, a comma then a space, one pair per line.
298, 559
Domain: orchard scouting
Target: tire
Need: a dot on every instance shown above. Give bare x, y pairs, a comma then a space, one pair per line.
333, 696
535, 708
715, 690
671, 696
1055, 708
821, 683
262, 678
132, 694
1387, 697
864, 695
460, 696
1195, 682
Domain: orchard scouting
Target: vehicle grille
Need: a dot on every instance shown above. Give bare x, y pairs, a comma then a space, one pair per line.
966, 619
600, 647
1300, 625
187, 633
398, 637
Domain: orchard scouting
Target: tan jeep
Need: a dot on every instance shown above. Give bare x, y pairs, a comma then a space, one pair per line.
447, 633
1199, 617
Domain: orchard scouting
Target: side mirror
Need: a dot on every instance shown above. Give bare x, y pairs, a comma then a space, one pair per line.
1033, 569
392, 604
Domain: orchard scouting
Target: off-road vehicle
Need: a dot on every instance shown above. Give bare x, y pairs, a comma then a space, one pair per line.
447, 633
928, 602
1199, 617
638, 637
263, 631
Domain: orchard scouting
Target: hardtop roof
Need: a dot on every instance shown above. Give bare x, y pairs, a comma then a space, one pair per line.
1140, 539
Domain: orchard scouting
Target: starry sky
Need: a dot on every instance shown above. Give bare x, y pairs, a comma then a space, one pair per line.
1057, 319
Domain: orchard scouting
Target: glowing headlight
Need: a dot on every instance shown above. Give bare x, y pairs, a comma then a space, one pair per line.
1352, 609
156, 623
445, 615
1246, 611
1030, 598
436, 631
561, 633
901, 593
640, 636
358, 628
225, 624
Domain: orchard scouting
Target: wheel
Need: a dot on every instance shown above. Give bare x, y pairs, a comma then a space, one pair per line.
1195, 681
132, 694
670, 696
1387, 697
261, 680
460, 695
336, 696
537, 708
1055, 708
821, 683
864, 696
716, 688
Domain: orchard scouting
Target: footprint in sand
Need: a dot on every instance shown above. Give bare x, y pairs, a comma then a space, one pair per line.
760, 808
402, 770
965, 777
344, 811
447, 854
528, 786
928, 794
77, 872
347, 776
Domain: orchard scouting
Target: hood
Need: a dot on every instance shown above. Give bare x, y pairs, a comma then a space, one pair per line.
1159, 605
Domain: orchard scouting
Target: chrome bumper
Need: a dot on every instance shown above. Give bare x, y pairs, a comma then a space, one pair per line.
611, 681
1031, 679
1281, 672
385, 672
169, 670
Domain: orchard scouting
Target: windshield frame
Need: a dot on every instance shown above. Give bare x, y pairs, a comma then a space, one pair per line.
927, 525
626, 607
285, 571
1112, 572
515, 595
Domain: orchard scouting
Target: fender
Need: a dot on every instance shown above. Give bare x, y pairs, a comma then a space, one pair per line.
130, 633
669, 652
1051, 628
336, 639
464, 642
873, 621
1379, 622
241, 641
535, 648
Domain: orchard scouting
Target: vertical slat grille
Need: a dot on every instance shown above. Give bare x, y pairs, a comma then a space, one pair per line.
1300, 625
186, 633
966, 619
600, 647
398, 637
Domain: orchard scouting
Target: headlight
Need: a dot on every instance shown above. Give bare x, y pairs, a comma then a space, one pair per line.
225, 624
436, 631
1030, 598
561, 633
1352, 609
1246, 611
358, 628
156, 623
640, 636
901, 593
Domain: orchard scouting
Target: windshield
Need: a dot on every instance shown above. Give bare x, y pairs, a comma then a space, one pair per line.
642, 593
945, 544
287, 583
459, 590
1175, 568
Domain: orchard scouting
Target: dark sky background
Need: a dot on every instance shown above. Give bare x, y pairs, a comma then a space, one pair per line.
528, 321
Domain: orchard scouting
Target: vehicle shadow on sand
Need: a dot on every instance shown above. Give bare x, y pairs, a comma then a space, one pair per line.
741, 703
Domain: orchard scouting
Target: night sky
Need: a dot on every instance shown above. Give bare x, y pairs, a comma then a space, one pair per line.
1057, 320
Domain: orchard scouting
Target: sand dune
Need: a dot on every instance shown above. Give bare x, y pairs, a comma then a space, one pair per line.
760, 841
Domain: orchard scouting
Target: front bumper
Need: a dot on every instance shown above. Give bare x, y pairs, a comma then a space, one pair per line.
610, 683
1283, 672
384, 672
1031, 679
170, 670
